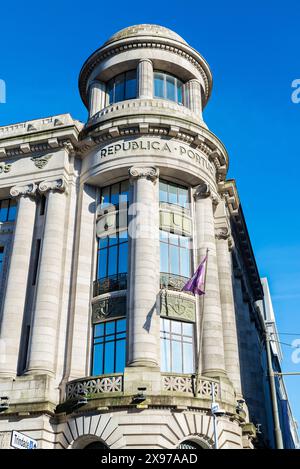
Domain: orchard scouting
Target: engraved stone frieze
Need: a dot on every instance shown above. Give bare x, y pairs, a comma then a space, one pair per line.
108, 307
177, 306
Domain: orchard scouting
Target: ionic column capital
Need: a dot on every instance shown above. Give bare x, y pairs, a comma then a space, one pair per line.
222, 232
145, 60
137, 172
28, 190
58, 185
202, 191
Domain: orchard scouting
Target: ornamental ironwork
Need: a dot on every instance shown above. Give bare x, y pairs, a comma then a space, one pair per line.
94, 385
108, 284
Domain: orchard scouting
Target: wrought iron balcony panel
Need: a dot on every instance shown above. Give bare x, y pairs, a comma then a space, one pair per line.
94, 385
110, 284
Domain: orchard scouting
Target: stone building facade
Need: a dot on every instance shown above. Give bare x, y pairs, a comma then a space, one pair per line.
101, 226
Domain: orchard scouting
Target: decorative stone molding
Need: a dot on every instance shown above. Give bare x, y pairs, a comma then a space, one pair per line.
197, 386
222, 233
108, 307
52, 185
5, 168
202, 191
136, 172
28, 190
102, 384
69, 147
177, 306
41, 161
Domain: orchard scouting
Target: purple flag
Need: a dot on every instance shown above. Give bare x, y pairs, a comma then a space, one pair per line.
196, 283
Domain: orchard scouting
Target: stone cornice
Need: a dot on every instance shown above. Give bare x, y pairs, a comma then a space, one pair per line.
123, 45
136, 172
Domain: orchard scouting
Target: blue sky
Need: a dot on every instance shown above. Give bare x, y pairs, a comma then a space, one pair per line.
253, 50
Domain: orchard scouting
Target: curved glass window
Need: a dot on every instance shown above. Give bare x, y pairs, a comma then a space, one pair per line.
109, 348
177, 346
175, 254
168, 87
173, 194
122, 87
8, 209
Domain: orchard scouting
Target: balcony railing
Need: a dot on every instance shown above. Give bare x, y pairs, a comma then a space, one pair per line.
94, 385
109, 284
172, 281
196, 386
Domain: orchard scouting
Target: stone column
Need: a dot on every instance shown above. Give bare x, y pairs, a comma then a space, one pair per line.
145, 79
232, 361
15, 295
211, 360
43, 342
96, 97
144, 322
194, 97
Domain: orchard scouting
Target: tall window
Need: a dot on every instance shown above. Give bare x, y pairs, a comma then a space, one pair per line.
112, 255
168, 87
175, 255
177, 346
122, 87
116, 194
1, 258
8, 208
109, 347
173, 194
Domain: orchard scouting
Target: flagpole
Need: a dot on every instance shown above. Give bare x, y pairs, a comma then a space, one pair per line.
201, 315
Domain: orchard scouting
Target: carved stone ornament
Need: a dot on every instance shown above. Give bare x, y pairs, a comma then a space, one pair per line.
5, 168
52, 185
177, 306
41, 161
222, 233
202, 191
136, 172
28, 190
108, 307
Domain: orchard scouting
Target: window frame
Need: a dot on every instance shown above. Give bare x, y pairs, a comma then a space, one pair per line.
12, 204
164, 239
177, 186
165, 90
2, 258
112, 83
169, 337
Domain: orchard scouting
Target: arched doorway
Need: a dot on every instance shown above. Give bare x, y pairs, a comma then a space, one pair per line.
96, 445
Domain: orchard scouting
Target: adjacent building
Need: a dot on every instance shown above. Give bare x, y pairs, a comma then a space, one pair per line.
101, 225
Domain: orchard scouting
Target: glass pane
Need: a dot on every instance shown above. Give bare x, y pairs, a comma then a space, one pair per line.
120, 356
165, 324
98, 360
110, 327
176, 357
4, 210
103, 242
12, 210
123, 257
121, 325
102, 263
165, 355
124, 194
119, 88
163, 192
185, 269
159, 85
113, 239
123, 236
163, 235
174, 239
164, 258
110, 91
115, 194
104, 198
174, 260
182, 197
112, 260
179, 92
176, 327
188, 358
131, 85
187, 329
99, 330
172, 194
109, 357
171, 90
184, 242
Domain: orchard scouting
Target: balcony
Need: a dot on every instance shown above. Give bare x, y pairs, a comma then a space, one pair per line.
193, 385
93, 385
109, 284
172, 281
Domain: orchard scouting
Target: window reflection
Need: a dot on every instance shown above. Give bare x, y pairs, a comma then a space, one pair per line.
177, 346
8, 210
1, 258
109, 347
173, 194
167, 86
175, 255
122, 87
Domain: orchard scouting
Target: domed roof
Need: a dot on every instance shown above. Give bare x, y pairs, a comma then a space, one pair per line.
145, 30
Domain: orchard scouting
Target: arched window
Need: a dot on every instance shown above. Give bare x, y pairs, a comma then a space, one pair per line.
168, 87
122, 87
